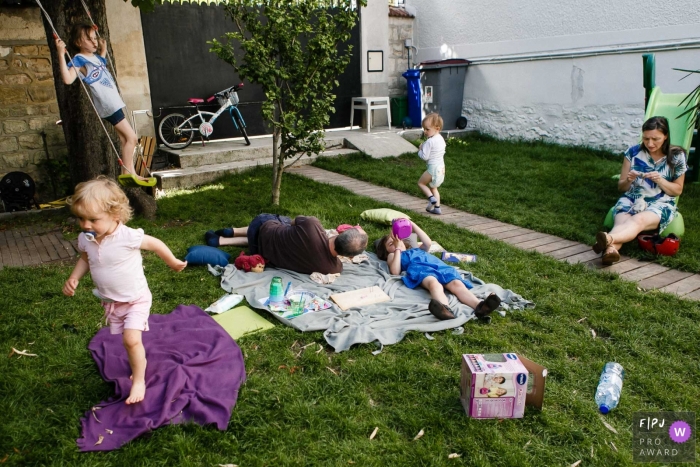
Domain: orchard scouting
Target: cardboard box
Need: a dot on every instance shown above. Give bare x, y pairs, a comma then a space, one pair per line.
500, 385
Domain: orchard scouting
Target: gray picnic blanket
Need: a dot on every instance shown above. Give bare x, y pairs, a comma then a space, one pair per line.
385, 323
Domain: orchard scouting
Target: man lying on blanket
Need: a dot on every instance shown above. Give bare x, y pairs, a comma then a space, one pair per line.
299, 245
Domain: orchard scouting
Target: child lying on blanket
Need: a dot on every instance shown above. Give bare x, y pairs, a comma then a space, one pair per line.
111, 252
432, 274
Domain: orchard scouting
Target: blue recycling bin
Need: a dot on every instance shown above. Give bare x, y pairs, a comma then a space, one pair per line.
414, 96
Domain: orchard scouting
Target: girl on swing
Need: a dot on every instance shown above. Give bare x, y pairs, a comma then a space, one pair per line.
92, 68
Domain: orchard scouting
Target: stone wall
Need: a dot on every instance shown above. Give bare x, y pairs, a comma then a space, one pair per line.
400, 29
28, 108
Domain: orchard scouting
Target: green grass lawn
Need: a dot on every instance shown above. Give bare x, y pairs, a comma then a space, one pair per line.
314, 416
558, 190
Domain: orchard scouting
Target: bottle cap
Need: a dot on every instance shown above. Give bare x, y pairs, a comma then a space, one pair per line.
604, 409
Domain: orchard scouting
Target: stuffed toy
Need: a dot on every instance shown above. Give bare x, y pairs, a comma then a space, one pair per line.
343, 227
250, 263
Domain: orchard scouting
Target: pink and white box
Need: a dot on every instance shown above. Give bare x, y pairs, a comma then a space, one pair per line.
500, 385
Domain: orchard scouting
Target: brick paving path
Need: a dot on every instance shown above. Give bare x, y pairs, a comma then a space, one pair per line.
646, 275
31, 246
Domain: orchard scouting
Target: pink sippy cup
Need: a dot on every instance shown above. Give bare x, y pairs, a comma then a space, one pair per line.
401, 228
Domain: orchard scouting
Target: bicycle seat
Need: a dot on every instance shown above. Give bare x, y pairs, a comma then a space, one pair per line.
194, 100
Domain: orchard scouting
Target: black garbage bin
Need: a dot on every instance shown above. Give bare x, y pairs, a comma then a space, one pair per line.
446, 77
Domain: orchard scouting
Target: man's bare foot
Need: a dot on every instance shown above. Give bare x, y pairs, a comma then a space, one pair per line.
138, 392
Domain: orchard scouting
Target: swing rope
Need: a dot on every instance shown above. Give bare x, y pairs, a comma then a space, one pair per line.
87, 93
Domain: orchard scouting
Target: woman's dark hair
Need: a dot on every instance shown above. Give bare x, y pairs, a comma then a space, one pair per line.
380, 247
77, 33
661, 124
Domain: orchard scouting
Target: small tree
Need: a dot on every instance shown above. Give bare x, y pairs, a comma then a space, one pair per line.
295, 50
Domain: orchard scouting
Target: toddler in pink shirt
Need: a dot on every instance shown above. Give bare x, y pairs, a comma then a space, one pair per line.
111, 251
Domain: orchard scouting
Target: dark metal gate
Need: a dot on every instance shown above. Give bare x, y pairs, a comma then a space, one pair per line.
180, 66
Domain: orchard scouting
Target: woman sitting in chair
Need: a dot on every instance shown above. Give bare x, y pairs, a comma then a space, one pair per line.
652, 176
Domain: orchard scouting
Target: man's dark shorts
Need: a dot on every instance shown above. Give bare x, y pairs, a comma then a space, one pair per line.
255, 225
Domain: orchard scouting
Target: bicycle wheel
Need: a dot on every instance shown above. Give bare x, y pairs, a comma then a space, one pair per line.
241, 126
175, 131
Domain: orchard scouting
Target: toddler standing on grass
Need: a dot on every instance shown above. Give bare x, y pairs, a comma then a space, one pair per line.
432, 150
111, 251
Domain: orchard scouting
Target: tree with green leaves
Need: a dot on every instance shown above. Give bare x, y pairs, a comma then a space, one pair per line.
295, 50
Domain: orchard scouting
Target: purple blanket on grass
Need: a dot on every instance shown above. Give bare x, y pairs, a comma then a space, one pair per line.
193, 375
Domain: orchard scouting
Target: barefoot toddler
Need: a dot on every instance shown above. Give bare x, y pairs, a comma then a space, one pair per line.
111, 251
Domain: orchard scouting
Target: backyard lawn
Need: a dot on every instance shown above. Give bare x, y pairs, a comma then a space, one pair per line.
315, 416
544, 187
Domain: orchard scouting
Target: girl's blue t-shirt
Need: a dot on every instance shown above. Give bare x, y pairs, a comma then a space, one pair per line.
103, 88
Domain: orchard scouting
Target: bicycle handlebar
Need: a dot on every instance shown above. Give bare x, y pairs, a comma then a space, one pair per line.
226, 92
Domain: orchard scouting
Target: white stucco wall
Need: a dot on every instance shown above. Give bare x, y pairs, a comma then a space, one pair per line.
374, 35
374, 30
595, 100
126, 36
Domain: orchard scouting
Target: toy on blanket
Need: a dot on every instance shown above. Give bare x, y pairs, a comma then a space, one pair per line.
250, 263
343, 227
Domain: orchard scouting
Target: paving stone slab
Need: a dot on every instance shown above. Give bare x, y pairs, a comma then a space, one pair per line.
582, 257
499, 229
624, 265
532, 244
693, 296
684, 286
569, 251
651, 269
556, 245
509, 233
662, 280
515, 241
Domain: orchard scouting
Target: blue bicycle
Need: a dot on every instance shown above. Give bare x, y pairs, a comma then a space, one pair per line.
177, 131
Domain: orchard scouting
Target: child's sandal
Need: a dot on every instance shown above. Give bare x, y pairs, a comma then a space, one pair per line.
486, 307
440, 311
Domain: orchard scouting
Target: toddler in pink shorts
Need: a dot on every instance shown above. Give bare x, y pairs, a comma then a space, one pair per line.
111, 251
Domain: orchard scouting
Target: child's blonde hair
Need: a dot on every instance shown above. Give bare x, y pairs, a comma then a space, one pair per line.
434, 120
98, 195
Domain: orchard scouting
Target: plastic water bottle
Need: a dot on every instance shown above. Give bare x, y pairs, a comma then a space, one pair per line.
607, 396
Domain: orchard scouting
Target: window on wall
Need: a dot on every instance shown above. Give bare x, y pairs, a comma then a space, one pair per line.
397, 3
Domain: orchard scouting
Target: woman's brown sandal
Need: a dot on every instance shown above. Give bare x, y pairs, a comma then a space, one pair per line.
602, 242
611, 256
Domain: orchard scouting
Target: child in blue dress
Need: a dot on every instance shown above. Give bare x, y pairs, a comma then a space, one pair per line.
425, 270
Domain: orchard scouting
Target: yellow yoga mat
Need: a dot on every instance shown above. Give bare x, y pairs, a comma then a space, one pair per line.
242, 320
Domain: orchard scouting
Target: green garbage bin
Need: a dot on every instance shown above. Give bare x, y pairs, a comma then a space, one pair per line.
399, 109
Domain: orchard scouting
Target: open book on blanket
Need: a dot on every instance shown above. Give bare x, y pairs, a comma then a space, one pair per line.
360, 297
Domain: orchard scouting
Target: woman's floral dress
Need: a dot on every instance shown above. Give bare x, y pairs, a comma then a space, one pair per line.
645, 195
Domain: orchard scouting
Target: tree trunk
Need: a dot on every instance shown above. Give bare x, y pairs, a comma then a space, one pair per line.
90, 152
277, 167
